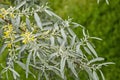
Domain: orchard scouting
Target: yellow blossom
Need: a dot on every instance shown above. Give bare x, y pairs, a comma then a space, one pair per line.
8, 31
7, 34
1, 16
12, 15
9, 45
28, 37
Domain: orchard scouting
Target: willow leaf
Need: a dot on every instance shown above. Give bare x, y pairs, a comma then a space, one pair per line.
95, 60
95, 76
20, 5
15, 74
38, 21
27, 63
92, 49
103, 78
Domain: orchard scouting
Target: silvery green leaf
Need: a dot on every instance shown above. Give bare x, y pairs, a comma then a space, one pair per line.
107, 1
62, 65
34, 57
52, 40
28, 24
41, 59
60, 40
38, 21
3, 48
98, 1
22, 65
48, 28
18, 39
56, 26
96, 38
78, 50
75, 24
20, 5
63, 34
95, 76
54, 69
37, 34
73, 40
15, 74
71, 32
47, 23
27, 63
102, 75
52, 14
87, 50
52, 55
84, 33
89, 71
105, 64
17, 20
95, 60
23, 47
71, 66
92, 49
13, 21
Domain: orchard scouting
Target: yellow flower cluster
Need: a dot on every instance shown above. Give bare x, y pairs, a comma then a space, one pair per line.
9, 33
4, 13
28, 37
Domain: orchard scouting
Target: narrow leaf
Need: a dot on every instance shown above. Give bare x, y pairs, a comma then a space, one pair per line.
89, 71
78, 50
52, 41
107, 1
52, 14
105, 64
62, 65
96, 38
95, 60
73, 40
95, 76
22, 65
87, 50
71, 32
59, 40
20, 5
27, 63
71, 66
28, 24
92, 49
63, 34
17, 20
14, 73
38, 21
103, 78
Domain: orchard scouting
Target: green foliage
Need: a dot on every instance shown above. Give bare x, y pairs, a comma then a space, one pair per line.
43, 45
101, 20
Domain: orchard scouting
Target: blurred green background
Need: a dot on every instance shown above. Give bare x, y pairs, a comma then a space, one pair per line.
101, 20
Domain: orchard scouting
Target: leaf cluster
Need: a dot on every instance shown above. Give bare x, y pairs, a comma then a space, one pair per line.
43, 42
